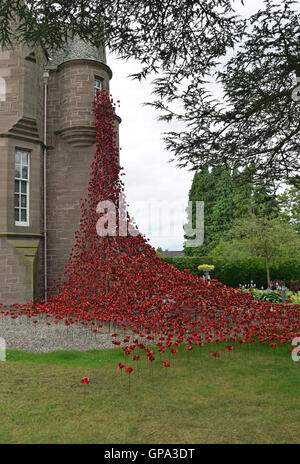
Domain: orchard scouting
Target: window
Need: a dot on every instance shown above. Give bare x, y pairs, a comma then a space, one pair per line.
97, 85
2, 90
21, 188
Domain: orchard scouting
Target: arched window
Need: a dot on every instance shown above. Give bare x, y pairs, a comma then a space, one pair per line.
98, 85
2, 89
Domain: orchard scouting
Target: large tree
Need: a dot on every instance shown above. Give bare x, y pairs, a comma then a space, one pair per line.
289, 202
258, 198
215, 188
257, 122
227, 197
259, 237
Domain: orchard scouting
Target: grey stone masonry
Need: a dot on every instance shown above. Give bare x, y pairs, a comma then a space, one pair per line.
70, 145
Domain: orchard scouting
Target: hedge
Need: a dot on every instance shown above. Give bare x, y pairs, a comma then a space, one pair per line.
239, 272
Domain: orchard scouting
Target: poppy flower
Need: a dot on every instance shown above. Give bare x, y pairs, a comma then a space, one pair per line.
166, 364
150, 353
85, 380
200, 344
120, 366
129, 369
229, 348
216, 354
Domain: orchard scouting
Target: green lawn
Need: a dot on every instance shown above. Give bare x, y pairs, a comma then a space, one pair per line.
247, 397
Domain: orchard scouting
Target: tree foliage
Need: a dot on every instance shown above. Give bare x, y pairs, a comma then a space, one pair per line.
260, 237
257, 123
179, 37
215, 189
226, 198
190, 45
289, 202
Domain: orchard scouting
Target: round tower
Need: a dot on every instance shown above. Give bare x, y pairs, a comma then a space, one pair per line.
74, 77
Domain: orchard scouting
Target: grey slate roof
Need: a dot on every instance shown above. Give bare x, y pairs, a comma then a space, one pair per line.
78, 49
172, 254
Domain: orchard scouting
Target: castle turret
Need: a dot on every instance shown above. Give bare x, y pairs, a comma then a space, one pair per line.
75, 75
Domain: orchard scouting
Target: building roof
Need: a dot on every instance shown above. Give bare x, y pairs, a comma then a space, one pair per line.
172, 254
77, 49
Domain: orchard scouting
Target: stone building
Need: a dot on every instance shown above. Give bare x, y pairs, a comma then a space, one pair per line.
47, 142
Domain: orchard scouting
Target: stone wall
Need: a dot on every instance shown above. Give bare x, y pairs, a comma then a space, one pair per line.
70, 150
21, 127
17, 269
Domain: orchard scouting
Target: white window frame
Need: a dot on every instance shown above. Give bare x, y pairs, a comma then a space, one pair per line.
2, 90
27, 193
98, 85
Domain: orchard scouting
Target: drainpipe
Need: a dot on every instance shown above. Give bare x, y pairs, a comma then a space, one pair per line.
46, 79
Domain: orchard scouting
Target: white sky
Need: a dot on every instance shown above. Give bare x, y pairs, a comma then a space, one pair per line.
156, 191
151, 183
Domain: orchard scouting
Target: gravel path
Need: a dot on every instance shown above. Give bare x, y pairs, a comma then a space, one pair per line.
22, 334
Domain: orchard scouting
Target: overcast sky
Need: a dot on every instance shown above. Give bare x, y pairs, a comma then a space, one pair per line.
156, 191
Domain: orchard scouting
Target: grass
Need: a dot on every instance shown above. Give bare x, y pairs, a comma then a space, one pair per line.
247, 396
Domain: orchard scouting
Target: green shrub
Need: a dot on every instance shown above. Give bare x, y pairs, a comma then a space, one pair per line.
275, 296
272, 296
295, 298
239, 272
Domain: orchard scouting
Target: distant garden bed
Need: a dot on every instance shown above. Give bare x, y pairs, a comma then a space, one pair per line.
274, 296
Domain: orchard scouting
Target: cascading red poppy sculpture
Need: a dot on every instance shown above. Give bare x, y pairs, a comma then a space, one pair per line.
119, 279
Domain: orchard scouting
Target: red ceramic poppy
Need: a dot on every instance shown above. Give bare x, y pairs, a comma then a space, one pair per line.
117, 281
85, 380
